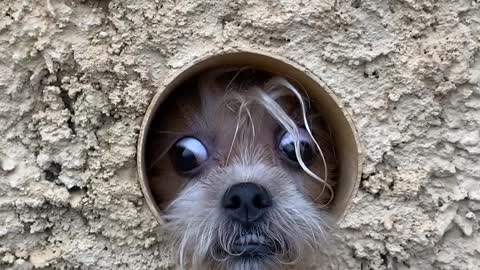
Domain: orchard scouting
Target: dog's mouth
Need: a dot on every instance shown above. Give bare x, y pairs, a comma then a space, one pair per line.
252, 245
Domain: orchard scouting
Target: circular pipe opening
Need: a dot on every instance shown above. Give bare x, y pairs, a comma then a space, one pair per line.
347, 146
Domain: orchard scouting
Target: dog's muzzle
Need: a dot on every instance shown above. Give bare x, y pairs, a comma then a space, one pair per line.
246, 203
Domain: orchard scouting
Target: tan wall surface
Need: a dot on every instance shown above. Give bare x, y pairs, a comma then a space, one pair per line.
77, 76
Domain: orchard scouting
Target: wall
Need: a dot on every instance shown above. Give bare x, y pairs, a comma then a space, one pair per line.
77, 76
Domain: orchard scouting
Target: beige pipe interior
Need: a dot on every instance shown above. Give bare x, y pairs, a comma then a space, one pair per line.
346, 139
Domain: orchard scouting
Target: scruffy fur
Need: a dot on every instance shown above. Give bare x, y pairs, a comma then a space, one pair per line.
239, 114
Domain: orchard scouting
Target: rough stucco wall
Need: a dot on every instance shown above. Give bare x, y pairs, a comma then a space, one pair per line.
76, 77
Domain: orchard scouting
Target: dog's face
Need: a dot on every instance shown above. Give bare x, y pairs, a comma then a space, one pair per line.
242, 168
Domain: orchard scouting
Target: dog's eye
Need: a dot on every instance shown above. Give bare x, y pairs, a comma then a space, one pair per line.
287, 146
188, 154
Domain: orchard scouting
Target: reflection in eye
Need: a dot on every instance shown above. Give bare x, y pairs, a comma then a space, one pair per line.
188, 153
287, 145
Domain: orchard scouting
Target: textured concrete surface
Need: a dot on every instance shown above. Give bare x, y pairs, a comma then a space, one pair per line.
76, 78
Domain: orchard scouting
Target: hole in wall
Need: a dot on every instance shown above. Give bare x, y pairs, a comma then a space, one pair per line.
101, 4
160, 122
356, 3
53, 171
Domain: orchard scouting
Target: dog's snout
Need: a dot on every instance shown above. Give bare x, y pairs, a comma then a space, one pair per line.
246, 202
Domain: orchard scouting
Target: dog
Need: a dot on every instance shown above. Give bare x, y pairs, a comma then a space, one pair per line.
243, 168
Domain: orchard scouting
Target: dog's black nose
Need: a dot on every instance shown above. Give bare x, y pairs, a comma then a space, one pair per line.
246, 202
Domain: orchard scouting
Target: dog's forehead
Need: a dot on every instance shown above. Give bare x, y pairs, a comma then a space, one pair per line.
215, 113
